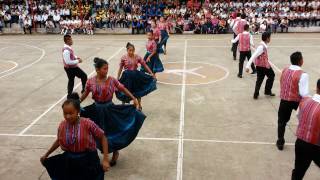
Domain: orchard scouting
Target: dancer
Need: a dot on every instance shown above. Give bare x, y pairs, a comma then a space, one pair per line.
137, 82
164, 30
235, 34
157, 36
245, 40
294, 85
121, 123
307, 147
152, 58
71, 61
80, 160
263, 66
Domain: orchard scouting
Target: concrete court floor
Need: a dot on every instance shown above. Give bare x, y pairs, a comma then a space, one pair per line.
202, 121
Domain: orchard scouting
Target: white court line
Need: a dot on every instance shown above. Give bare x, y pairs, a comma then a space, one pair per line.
12, 62
198, 62
200, 46
29, 65
161, 139
182, 104
235, 142
62, 98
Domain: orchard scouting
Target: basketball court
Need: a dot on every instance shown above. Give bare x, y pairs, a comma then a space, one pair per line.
202, 122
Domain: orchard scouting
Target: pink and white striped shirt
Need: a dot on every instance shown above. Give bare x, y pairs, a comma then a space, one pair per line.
131, 64
309, 120
103, 92
79, 137
151, 46
244, 42
289, 85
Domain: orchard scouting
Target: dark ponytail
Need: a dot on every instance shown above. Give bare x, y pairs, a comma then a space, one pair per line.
98, 62
129, 45
73, 99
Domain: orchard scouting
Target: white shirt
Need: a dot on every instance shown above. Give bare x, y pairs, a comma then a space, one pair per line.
236, 25
27, 22
233, 22
316, 98
56, 17
66, 56
238, 37
257, 53
303, 82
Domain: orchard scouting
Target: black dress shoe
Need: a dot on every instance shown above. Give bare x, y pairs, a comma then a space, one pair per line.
254, 72
255, 96
239, 76
234, 58
270, 94
280, 144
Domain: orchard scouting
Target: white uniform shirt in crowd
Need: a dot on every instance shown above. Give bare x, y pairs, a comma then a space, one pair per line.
7, 17
294, 4
41, 7
38, 18
257, 53
67, 12
44, 17
303, 82
51, 12
56, 17
27, 22
98, 2
286, 9
66, 56
314, 14
238, 38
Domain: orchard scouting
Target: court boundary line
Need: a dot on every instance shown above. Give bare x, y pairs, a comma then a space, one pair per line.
62, 98
227, 73
182, 113
43, 53
283, 46
11, 62
162, 139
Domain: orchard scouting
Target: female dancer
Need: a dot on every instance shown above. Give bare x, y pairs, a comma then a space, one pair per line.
137, 82
121, 123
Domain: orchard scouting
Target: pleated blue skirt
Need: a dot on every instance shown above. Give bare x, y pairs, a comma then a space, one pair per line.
121, 123
138, 83
154, 64
74, 166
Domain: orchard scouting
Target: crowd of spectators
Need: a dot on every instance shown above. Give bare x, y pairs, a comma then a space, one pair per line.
207, 17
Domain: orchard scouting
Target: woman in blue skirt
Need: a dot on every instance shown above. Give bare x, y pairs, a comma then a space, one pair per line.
121, 123
137, 82
76, 137
164, 31
152, 57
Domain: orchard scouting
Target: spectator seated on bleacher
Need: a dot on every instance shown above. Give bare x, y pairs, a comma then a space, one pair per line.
49, 25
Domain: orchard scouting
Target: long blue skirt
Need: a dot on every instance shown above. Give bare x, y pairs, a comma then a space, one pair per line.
121, 123
164, 37
154, 64
75, 166
138, 83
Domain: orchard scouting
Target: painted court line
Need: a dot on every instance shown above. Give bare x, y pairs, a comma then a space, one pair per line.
161, 139
203, 46
182, 106
29, 65
12, 62
61, 99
